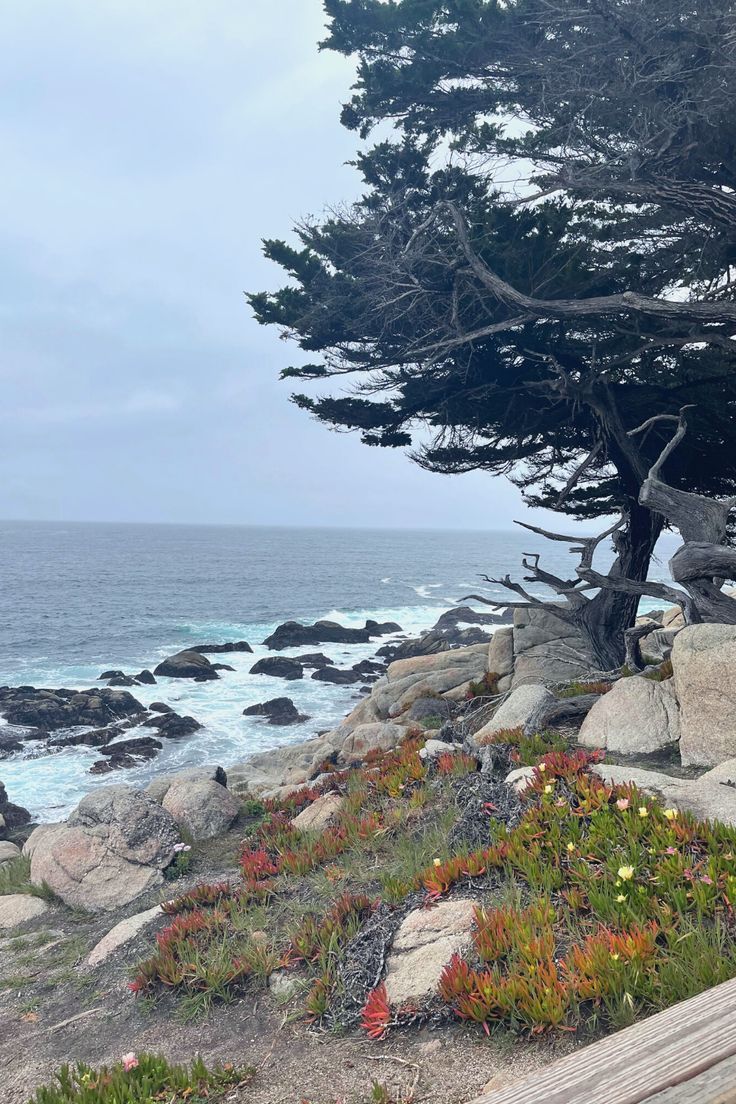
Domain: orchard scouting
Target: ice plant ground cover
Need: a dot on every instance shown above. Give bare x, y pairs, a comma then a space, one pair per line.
142, 1079
597, 904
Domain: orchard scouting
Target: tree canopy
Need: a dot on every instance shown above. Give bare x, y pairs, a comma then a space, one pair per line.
545, 253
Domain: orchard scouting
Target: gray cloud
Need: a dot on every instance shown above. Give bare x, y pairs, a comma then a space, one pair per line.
146, 150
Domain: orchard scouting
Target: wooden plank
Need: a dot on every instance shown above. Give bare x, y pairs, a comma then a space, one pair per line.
716, 1086
640, 1061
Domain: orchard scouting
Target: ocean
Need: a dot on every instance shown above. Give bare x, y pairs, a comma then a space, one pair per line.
76, 599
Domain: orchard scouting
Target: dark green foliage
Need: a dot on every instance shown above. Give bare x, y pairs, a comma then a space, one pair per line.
624, 124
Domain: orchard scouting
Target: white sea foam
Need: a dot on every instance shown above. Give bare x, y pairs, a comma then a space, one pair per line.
51, 785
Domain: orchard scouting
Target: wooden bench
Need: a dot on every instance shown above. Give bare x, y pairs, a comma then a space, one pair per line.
686, 1055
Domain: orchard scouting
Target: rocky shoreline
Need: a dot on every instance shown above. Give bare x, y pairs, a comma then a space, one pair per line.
470, 725
126, 733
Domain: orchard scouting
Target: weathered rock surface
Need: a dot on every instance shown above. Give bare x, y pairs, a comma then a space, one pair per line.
36, 836
501, 657
121, 934
187, 665
113, 848
52, 709
526, 707
379, 736
424, 709
321, 814
278, 667
704, 663
705, 798
292, 634
637, 717
423, 946
204, 809
20, 908
278, 711
159, 787
8, 851
546, 650
434, 748
10, 741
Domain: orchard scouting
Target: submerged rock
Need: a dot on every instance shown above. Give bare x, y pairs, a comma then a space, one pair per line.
187, 665
218, 649
292, 634
126, 753
337, 677
278, 711
173, 726
315, 659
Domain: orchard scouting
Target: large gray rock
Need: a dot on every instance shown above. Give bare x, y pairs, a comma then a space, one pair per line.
381, 736
423, 946
637, 717
501, 656
704, 663
474, 658
11, 816
187, 665
526, 707
289, 766
159, 787
113, 848
201, 807
547, 650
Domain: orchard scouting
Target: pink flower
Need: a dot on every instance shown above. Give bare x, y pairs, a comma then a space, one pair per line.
707, 879
623, 803
129, 1061
670, 851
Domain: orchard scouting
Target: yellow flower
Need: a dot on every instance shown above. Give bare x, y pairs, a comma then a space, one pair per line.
650, 850
571, 847
626, 873
542, 767
614, 957
438, 862
670, 813
643, 811
548, 789
621, 897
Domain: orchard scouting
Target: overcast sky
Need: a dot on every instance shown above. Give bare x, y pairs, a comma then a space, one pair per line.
147, 147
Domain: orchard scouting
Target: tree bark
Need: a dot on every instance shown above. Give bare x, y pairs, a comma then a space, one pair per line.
605, 618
